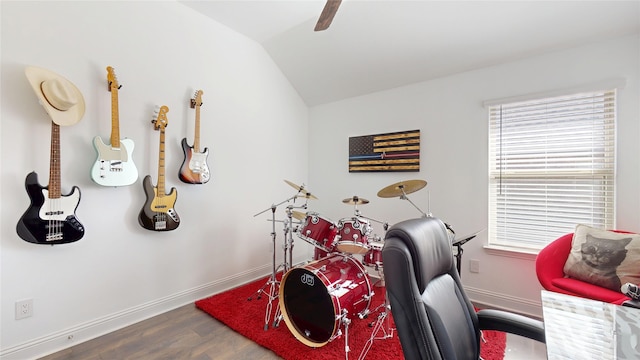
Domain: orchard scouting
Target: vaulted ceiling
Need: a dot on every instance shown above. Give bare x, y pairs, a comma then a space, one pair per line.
382, 44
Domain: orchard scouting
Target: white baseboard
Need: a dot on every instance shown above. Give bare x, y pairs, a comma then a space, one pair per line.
505, 302
80, 333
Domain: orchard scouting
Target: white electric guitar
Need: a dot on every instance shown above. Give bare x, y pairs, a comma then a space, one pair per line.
114, 166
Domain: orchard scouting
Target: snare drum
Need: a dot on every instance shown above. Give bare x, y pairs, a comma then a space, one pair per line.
373, 257
316, 297
353, 235
318, 231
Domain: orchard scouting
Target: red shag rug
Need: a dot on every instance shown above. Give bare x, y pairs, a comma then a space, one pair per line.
248, 319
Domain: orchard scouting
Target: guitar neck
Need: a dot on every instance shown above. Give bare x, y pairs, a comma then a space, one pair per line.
54, 162
161, 156
196, 138
115, 121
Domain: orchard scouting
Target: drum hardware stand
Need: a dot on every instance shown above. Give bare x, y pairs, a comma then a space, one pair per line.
458, 244
380, 281
378, 325
404, 197
272, 283
346, 321
385, 225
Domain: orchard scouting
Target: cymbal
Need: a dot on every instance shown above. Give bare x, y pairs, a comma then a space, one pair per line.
355, 200
298, 215
305, 194
409, 186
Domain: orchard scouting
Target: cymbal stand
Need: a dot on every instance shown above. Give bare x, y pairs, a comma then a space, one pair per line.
383, 323
272, 283
287, 248
404, 197
385, 225
289, 240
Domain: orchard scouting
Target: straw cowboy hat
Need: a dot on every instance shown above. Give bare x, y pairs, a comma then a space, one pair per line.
60, 98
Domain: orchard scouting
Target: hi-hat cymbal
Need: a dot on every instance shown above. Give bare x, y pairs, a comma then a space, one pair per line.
355, 200
408, 186
298, 215
304, 193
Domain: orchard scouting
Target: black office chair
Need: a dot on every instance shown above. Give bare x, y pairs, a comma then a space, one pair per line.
434, 317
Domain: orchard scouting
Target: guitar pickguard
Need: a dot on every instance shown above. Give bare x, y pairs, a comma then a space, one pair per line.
158, 212
114, 166
49, 221
194, 169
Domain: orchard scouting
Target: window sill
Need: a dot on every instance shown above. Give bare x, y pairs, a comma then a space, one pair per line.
512, 252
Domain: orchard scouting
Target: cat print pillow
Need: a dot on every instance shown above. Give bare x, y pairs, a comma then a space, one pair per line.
604, 258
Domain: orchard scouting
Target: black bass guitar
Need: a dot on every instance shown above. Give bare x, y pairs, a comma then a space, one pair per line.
51, 217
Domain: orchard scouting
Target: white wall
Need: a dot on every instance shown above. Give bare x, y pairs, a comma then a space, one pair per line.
453, 124
253, 122
257, 129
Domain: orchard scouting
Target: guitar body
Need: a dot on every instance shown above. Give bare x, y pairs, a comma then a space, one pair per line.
49, 221
114, 166
194, 169
158, 213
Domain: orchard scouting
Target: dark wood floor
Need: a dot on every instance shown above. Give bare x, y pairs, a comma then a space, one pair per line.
183, 333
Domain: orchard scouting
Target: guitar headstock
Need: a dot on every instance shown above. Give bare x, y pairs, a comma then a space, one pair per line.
160, 120
197, 99
112, 80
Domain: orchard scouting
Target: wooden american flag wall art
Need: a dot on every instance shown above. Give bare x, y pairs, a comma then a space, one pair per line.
397, 151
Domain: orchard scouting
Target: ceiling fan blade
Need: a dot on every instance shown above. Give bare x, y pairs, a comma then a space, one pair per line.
327, 14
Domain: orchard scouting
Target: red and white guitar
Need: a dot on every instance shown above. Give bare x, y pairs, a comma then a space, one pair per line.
51, 217
158, 212
194, 169
114, 166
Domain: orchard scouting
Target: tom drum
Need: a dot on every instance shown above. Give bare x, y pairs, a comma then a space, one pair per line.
318, 231
353, 235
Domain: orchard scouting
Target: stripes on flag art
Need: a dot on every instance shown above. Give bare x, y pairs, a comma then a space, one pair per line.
398, 151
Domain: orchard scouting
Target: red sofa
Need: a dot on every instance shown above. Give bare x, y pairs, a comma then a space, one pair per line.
549, 269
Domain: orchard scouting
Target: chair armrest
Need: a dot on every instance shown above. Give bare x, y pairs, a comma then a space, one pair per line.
489, 319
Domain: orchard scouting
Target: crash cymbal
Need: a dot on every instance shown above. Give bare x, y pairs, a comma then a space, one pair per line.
298, 215
394, 190
305, 194
355, 200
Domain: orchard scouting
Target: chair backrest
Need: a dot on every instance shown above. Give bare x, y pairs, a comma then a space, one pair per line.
434, 317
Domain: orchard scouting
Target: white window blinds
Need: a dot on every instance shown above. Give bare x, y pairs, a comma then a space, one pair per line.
551, 167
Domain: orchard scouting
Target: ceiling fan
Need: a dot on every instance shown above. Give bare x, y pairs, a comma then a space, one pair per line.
327, 14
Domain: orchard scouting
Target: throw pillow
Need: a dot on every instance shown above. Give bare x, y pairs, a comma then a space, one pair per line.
604, 258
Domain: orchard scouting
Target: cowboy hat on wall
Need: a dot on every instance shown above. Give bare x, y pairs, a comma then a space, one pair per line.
60, 98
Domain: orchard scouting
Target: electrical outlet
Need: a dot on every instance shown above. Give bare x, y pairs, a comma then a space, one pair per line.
474, 266
24, 309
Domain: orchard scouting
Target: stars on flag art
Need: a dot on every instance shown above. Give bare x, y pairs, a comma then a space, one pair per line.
397, 151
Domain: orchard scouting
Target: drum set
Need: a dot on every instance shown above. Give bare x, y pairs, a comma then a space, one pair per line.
318, 300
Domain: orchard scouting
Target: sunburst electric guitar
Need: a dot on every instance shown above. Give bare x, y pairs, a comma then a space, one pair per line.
114, 166
194, 169
51, 217
158, 212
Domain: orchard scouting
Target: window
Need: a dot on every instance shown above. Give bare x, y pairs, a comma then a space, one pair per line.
551, 167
